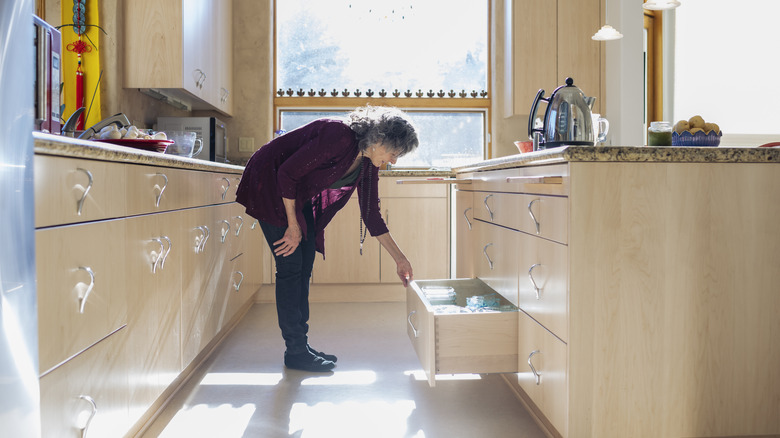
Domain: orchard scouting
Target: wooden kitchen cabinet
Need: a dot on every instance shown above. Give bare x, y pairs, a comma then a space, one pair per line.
648, 298
136, 270
450, 343
155, 244
82, 288
343, 262
418, 218
548, 41
77, 190
464, 231
88, 395
182, 49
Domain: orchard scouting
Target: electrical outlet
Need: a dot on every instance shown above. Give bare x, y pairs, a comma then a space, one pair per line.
246, 144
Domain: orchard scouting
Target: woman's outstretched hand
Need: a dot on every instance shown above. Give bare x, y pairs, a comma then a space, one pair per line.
404, 270
287, 244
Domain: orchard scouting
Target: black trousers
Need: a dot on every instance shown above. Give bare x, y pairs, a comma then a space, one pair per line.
292, 284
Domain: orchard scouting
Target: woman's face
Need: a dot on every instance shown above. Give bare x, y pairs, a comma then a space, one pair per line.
380, 155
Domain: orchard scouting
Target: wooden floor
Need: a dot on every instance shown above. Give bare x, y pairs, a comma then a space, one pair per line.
376, 390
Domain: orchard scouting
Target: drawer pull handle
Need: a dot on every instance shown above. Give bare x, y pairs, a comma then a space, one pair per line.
533, 370
531, 277
205, 239
162, 189
238, 285
93, 405
199, 240
83, 299
488, 207
167, 251
80, 205
200, 244
224, 193
409, 320
159, 255
240, 224
467, 217
484, 251
225, 231
254, 224
533, 217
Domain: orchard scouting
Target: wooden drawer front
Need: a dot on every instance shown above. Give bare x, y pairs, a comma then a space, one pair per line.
71, 314
544, 216
464, 235
548, 356
70, 190
155, 245
496, 263
463, 342
153, 189
216, 188
390, 188
543, 282
99, 374
544, 180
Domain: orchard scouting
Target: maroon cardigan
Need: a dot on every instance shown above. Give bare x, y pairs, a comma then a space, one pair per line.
302, 165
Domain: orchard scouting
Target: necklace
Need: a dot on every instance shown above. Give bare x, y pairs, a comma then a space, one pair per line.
366, 196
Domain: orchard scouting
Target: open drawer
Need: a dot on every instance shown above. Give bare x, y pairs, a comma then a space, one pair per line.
450, 338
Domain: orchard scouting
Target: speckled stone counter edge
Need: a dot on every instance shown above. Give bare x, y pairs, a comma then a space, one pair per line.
48, 144
628, 154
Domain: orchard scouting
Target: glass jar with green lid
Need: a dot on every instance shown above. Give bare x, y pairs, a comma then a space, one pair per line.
659, 134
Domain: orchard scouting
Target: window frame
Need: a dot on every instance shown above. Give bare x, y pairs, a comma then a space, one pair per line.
300, 100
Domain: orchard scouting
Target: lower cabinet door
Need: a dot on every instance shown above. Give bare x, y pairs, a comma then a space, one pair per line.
82, 287
542, 371
449, 338
88, 395
497, 258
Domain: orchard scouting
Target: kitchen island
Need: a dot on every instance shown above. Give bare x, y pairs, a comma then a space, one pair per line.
647, 282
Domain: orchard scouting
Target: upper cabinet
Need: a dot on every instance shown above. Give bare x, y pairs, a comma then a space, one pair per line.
546, 42
180, 50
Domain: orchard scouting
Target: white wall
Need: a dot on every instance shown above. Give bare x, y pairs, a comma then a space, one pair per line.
625, 74
726, 65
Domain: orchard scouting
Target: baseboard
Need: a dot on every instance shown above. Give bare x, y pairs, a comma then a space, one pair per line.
530, 406
342, 293
155, 410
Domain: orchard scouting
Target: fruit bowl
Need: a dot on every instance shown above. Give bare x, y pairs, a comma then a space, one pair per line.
700, 138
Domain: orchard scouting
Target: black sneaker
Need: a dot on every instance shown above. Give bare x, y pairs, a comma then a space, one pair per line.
307, 362
330, 357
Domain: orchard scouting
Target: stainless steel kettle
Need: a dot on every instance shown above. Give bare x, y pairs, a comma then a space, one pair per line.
567, 120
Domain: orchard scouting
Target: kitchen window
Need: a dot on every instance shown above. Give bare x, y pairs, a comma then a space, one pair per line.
428, 58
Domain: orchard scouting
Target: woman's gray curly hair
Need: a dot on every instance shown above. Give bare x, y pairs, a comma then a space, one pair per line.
383, 125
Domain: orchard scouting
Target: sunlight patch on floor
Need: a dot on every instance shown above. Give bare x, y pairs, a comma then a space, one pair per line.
246, 379
364, 377
224, 421
374, 419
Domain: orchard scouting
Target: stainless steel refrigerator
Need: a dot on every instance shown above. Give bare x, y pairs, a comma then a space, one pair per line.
19, 391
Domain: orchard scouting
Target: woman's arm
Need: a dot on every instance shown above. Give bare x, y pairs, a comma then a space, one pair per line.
292, 236
403, 267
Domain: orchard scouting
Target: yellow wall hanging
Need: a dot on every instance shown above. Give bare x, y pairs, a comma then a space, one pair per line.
81, 72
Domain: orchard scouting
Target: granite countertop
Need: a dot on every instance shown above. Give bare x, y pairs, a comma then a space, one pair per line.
49, 144
664, 154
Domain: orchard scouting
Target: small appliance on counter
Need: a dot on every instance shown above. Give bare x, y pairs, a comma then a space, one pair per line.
210, 130
48, 54
567, 120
